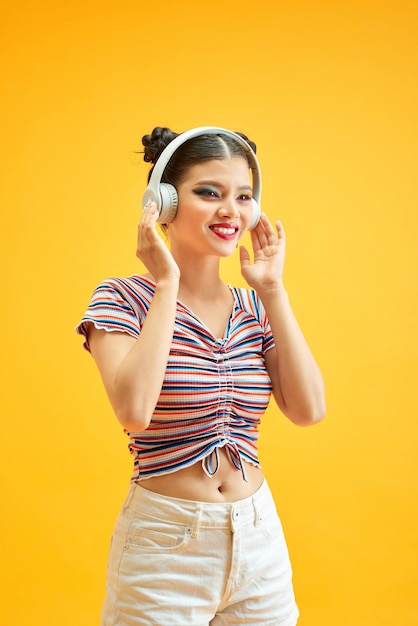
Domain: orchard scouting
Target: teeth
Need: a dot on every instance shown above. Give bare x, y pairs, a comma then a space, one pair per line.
225, 231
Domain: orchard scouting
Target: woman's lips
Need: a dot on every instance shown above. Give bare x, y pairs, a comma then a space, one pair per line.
224, 231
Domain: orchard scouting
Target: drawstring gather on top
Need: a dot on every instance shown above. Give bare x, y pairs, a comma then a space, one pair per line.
211, 462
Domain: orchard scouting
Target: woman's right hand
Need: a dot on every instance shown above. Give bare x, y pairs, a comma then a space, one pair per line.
151, 249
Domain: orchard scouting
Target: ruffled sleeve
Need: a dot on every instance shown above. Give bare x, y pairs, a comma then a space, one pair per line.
251, 303
268, 339
111, 308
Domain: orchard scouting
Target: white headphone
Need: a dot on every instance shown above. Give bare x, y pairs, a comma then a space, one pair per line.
165, 195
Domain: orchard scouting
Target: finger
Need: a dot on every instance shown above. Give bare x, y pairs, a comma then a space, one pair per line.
255, 239
149, 217
269, 230
260, 228
149, 209
244, 256
280, 231
260, 236
146, 210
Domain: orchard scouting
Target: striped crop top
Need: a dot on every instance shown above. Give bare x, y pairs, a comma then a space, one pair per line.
214, 391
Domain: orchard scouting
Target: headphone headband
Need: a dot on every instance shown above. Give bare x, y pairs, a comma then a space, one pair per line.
165, 195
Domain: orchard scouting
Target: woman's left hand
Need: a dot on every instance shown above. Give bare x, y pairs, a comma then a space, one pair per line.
269, 246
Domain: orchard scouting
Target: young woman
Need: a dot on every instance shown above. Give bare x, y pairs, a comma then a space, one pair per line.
189, 363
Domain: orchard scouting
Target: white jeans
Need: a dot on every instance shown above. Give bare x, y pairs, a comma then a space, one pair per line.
178, 562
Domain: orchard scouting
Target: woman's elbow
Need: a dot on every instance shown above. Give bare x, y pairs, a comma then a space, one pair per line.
133, 420
308, 416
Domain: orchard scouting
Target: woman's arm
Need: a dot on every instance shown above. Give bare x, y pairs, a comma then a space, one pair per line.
298, 386
133, 370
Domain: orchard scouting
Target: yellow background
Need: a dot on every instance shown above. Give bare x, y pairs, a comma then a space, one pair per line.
329, 92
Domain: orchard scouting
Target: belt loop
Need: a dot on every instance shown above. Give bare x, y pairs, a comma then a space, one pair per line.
128, 500
196, 522
257, 514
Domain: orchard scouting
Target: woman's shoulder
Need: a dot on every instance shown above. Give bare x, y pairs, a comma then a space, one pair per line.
118, 304
129, 286
247, 298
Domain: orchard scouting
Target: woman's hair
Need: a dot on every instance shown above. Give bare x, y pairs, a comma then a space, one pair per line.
195, 150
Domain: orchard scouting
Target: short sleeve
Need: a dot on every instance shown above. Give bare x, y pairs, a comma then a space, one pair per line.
110, 309
268, 339
252, 304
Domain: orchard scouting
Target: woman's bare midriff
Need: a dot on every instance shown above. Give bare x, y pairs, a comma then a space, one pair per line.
192, 483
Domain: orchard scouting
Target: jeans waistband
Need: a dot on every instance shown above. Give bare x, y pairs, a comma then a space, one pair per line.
199, 514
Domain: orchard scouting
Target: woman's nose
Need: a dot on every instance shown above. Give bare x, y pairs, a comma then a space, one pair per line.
229, 208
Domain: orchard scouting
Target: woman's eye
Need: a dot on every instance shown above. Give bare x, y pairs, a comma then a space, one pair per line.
208, 193
244, 197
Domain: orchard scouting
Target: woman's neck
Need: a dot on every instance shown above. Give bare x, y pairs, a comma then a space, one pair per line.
199, 276
204, 285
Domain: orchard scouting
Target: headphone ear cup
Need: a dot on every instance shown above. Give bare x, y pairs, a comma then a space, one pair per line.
169, 203
256, 214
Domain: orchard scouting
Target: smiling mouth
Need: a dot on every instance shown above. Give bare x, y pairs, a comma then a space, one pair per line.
224, 231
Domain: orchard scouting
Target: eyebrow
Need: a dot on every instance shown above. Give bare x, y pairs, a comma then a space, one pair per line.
216, 183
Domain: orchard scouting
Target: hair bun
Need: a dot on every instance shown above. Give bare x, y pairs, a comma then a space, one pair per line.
155, 143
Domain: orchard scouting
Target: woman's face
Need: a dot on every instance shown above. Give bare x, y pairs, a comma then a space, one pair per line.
214, 208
